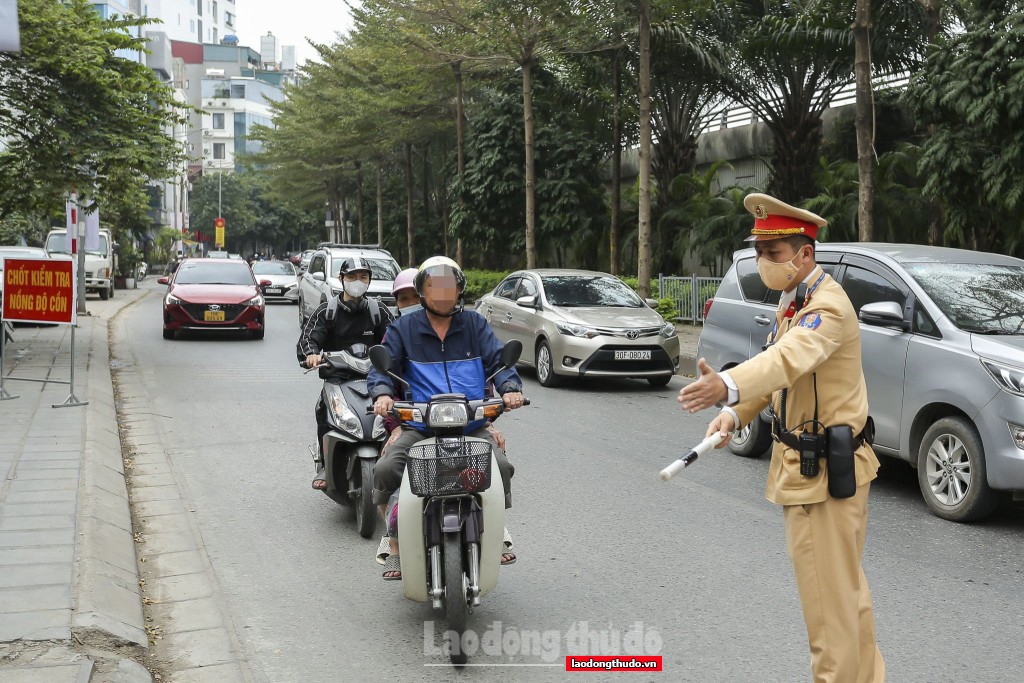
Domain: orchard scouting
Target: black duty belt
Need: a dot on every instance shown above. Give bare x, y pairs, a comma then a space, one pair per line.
792, 439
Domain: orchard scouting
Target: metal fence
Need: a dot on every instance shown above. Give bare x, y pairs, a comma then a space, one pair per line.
688, 293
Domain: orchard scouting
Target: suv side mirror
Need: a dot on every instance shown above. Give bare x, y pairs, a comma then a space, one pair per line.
528, 302
652, 303
319, 276
883, 314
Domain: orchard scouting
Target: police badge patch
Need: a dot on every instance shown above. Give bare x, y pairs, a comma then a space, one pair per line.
811, 321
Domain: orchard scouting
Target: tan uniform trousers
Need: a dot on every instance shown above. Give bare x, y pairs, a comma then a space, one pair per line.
825, 542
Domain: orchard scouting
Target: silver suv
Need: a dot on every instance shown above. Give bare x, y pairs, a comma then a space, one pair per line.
322, 278
942, 333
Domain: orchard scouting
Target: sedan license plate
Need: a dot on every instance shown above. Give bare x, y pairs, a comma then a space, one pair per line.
273, 290
213, 316
632, 355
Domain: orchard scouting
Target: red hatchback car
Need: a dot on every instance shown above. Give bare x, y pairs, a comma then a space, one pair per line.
213, 294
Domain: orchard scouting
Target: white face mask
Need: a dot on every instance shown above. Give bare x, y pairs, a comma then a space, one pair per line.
408, 310
356, 288
776, 276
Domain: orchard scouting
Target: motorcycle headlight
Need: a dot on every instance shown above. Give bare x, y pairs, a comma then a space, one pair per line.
173, 301
343, 415
360, 365
255, 301
1009, 379
447, 415
575, 330
668, 331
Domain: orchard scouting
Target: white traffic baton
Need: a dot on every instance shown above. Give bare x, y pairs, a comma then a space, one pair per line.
688, 459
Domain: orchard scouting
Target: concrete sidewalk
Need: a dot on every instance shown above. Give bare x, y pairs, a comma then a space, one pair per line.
70, 603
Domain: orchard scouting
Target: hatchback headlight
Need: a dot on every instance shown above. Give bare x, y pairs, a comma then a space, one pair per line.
668, 331
255, 301
1009, 379
343, 415
173, 301
447, 415
576, 330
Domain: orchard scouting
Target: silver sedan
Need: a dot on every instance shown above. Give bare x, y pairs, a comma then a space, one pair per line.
281, 280
579, 323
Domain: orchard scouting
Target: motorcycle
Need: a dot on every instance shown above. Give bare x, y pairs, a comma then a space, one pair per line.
451, 509
352, 446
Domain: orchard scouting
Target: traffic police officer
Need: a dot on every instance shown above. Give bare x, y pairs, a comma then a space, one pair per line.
822, 463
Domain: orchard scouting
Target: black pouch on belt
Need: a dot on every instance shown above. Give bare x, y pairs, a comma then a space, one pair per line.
842, 475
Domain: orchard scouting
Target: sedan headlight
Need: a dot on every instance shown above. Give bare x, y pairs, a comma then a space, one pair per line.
173, 301
668, 331
447, 415
575, 330
343, 415
255, 301
1009, 379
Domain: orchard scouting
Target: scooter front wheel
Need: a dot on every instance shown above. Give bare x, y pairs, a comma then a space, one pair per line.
456, 604
366, 516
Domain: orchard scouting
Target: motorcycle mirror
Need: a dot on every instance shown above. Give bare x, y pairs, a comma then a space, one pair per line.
511, 352
380, 358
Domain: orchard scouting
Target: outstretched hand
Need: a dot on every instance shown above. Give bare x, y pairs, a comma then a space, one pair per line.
709, 390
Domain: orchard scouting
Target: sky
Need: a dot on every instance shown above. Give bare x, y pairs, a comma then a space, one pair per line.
292, 22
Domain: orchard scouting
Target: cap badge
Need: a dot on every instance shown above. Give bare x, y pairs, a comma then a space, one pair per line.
760, 212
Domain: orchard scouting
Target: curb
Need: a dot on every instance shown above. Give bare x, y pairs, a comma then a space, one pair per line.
106, 594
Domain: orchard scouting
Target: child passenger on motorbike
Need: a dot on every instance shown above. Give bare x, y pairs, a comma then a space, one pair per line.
349, 318
436, 350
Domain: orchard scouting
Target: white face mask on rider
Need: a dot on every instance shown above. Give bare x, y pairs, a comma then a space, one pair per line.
355, 288
408, 310
774, 275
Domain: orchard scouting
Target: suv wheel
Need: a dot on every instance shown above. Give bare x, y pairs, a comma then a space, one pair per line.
951, 471
753, 440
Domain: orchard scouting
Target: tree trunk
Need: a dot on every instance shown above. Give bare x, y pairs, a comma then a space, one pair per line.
426, 185
460, 144
359, 202
380, 203
795, 159
344, 219
932, 15
408, 204
644, 227
613, 231
531, 225
864, 122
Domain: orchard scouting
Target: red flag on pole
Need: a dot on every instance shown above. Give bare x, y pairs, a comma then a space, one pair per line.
72, 225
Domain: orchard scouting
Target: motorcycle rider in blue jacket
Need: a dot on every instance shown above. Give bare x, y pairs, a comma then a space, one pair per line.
441, 349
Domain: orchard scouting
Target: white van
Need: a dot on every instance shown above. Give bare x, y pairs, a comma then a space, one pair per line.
100, 264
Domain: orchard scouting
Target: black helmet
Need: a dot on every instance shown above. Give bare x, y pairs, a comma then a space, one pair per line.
355, 263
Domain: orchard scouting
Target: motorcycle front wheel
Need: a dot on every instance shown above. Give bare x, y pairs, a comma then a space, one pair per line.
366, 516
455, 602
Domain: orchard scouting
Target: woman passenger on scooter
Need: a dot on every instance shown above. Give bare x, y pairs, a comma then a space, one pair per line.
434, 351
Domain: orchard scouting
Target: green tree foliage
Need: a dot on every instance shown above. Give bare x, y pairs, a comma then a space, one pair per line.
972, 89
570, 202
75, 114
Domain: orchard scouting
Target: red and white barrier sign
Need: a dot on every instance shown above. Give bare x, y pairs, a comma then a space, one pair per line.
39, 291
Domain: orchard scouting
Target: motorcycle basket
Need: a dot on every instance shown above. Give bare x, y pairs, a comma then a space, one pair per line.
449, 468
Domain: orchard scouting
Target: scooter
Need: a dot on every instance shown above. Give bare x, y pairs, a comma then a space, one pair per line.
352, 446
451, 505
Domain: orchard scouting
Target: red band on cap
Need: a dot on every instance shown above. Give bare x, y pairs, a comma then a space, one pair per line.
783, 222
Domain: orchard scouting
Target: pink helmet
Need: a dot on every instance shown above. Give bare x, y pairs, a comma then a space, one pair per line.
406, 279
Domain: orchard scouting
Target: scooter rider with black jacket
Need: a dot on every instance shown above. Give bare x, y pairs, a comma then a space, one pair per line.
345, 319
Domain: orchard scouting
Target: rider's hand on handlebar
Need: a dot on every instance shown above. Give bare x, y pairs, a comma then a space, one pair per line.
513, 400
723, 423
383, 405
313, 360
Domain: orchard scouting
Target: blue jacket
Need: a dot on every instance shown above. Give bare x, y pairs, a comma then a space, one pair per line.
469, 354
